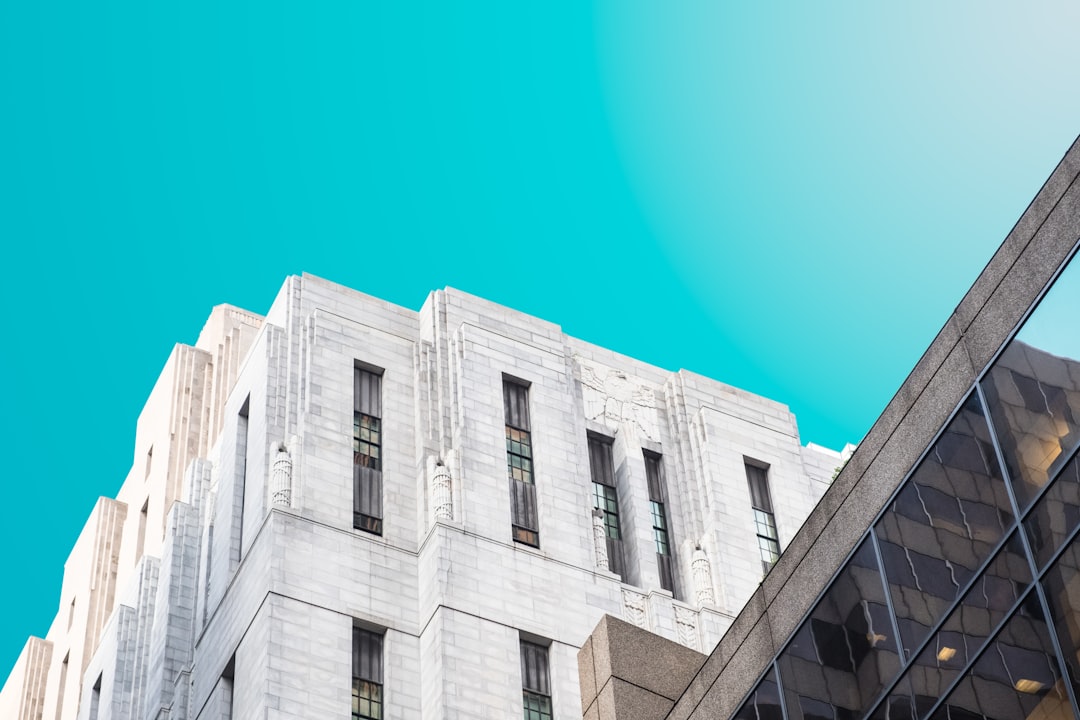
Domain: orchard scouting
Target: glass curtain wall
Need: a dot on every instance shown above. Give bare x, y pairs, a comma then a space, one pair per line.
962, 602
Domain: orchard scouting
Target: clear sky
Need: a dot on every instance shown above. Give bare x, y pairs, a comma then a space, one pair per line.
788, 197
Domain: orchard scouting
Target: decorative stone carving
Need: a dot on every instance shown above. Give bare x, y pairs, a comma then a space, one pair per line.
599, 539
281, 476
686, 627
442, 498
613, 397
635, 609
702, 571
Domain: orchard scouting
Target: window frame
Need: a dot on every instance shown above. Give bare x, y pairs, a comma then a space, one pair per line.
368, 448
764, 517
520, 463
536, 697
367, 674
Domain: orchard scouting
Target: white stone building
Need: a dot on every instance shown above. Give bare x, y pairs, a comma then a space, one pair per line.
352, 507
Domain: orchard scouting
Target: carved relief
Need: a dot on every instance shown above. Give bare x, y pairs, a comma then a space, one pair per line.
702, 571
281, 476
635, 610
599, 539
686, 627
442, 499
613, 397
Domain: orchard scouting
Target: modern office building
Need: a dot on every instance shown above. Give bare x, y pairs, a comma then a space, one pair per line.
349, 509
939, 577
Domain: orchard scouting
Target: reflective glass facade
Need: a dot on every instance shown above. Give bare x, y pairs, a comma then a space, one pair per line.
962, 601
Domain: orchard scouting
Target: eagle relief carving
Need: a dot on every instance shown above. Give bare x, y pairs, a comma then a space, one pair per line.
613, 397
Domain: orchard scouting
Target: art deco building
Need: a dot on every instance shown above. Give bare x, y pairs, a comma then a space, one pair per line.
349, 509
939, 577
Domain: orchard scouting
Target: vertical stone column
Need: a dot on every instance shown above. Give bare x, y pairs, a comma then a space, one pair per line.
281, 476
702, 571
442, 496
600, 539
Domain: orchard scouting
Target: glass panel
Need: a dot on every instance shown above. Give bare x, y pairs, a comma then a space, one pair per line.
1034, 390
763, 703
844, 653
1016, 678
974, 620
1056, 515
944, 523
898, 705
537, 707
366, 700
1062, 585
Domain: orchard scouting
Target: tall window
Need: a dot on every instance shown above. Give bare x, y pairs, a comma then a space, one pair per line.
654, 475
606, 498
228, 688
367, 450
241, 474
367, 684
535, 682
519, 464
95, 699
764, 520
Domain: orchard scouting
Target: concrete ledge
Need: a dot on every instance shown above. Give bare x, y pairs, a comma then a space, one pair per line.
627, 672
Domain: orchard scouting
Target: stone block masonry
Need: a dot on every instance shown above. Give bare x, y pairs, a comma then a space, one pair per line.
242, 580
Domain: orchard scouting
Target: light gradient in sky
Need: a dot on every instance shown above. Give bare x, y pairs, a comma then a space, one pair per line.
790, 198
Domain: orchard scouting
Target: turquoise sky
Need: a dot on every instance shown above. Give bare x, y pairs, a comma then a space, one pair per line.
787, 197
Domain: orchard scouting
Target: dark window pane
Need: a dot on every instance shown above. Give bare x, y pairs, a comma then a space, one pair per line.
518, 455
764, 701
899, 705
757, 478
843, 654
516, 405
1015, 678
975, 619
944, 523
1062, 585
535, 682
1056, 514
367, 675
601, 464
1033, 390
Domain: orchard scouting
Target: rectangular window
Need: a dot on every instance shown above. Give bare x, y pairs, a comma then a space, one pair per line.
519, 464
95, 699
535, 681
141, 539
654, 475
228, 688
241, 474
764, 520
367, 450
606, 498
367, 684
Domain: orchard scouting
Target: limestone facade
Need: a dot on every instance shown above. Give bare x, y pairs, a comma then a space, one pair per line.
227, 578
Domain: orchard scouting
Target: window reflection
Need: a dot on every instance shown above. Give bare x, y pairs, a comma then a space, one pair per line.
840, 658
1056, 515
763, 703
1016, 678
1033, 390
944, 523
1062, 584
975, 619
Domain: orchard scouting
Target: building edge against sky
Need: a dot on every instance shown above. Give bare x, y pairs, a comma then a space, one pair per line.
319, 506
944, 557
